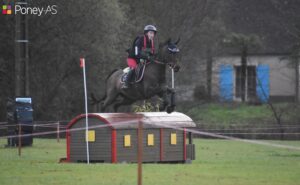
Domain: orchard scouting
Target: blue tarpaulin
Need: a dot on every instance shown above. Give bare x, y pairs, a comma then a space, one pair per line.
263, 81
226, 82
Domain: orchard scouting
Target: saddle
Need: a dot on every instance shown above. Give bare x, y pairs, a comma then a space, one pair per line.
138, 73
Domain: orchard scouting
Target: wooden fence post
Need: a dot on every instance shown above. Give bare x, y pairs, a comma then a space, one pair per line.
140, 151
20, 140
57, 132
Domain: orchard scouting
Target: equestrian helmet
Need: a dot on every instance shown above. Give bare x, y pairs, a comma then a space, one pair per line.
150, 28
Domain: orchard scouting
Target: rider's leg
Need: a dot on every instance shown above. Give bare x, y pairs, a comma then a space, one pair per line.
132, 65
128, 78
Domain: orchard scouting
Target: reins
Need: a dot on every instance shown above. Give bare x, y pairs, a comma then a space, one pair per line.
158, 62
161, 63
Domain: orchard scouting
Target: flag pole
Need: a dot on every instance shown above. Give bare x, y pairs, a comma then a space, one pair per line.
82, 64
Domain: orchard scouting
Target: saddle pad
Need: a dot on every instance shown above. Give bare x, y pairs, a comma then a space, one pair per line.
126, 70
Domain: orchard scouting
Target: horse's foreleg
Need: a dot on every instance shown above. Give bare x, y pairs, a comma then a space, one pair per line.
168, 97
164, 96
171, 92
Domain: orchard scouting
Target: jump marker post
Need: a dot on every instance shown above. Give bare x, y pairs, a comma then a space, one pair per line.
82, 65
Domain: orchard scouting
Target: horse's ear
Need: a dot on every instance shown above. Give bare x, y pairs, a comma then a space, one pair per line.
169, 41
178, 40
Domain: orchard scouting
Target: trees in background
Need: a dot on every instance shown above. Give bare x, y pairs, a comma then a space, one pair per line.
93, 29
6, 62
102, 30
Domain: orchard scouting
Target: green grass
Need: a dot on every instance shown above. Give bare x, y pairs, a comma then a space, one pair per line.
218, 162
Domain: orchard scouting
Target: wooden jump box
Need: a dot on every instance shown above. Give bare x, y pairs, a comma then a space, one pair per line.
113, 137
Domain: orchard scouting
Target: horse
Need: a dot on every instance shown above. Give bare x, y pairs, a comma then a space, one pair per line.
152, 84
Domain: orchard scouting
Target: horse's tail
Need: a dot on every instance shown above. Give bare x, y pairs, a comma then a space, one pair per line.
112, 72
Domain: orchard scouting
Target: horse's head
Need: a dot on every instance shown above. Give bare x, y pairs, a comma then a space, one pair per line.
168, 54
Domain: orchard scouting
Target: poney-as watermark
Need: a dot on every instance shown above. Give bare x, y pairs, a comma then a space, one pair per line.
24, 9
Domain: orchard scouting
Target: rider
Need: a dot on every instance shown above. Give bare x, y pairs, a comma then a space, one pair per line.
143, 50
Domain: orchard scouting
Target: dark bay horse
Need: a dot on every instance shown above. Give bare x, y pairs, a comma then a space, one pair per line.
152, 84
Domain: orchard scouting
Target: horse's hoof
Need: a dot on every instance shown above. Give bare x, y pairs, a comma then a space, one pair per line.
170, 109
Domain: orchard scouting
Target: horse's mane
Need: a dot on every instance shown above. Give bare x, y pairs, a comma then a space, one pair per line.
111, 73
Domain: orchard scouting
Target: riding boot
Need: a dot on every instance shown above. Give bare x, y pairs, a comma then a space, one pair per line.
127, 79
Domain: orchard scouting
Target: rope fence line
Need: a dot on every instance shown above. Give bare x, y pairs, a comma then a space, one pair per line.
200, 124
224, 133
233, 133
228, 129
3, 124
61, 131
248, 128
235, 138
249, 124
55, 125
197, 132
49, 126
34, 125
259, 133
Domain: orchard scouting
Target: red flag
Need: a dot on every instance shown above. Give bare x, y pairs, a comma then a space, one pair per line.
82, 62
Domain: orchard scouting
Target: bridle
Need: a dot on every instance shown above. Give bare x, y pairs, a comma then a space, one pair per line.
171, 64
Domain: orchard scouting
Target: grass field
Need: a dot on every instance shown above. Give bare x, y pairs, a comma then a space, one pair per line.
218, 162
239, 113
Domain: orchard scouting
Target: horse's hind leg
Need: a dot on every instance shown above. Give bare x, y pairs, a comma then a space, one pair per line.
124, 101
108, 101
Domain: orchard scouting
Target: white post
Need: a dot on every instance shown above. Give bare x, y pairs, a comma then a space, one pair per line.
82, 64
